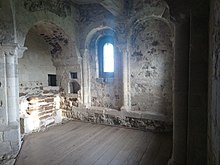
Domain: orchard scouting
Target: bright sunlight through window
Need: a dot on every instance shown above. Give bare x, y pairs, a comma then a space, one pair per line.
108, 57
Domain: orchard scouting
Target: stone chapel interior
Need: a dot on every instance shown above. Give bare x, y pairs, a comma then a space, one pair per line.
151, 65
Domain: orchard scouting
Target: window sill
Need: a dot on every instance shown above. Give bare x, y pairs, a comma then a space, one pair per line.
107, 80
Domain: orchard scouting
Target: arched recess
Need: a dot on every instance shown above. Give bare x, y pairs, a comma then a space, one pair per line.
150, 66
99, 91
45, 75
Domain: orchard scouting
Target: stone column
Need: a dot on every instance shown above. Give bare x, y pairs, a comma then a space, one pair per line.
180, 97
3, 89
12, 86
126, 79
9, 55
9, 99
12, 52
86, 79
213, 136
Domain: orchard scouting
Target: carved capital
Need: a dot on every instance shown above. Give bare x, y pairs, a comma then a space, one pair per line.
82, 51
8, 49
11, 50
20, 51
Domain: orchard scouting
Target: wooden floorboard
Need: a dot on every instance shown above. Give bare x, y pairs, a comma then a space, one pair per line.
78, 143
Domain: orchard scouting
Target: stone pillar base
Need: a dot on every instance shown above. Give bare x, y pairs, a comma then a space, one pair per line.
125, 108
10, 142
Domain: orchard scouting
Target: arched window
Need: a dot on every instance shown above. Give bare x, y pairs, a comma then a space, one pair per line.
106, 57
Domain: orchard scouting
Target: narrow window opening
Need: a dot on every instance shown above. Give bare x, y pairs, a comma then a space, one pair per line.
52, 80
73, 75
108, 57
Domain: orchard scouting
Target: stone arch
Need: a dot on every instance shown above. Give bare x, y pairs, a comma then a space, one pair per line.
158, 9
32, 18
51, 52
62, 48
95, 33
138, 22
90, 73
147, 50
92, 44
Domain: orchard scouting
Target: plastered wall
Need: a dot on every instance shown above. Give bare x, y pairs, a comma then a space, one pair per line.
151, 63
36, 63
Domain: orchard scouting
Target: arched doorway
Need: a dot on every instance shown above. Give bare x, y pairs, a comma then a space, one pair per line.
44, 73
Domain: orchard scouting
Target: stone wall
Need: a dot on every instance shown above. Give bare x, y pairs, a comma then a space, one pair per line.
94, 21
50, 51
151, 56
17, 18
106, 92
36, 63
9, 118
151, 63
58, 12
89, 17
60, 7
6, 26
3, 91
100, 115
38, 102
9, 143
214, 87
39, 108
59, 35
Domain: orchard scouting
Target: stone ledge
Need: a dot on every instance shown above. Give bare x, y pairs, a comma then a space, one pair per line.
133, 119
134, 114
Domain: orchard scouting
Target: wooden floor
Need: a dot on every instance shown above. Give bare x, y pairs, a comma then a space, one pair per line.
78, 143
